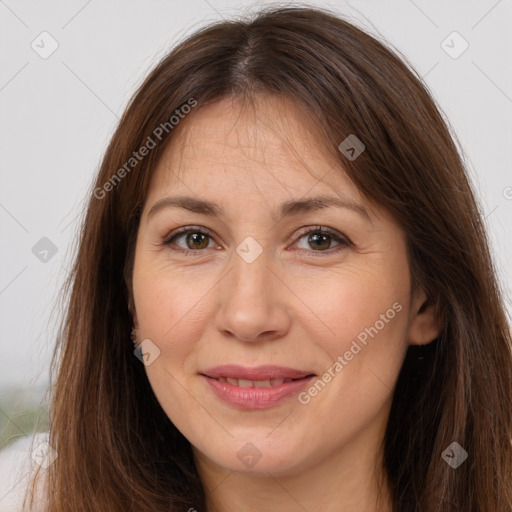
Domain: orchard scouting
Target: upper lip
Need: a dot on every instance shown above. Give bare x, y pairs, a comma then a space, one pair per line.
264, 372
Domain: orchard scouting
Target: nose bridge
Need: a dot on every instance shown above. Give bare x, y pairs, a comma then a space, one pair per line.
250, 305
250, 272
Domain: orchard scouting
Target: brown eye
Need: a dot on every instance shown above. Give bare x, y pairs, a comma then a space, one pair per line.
194, 239
320, 239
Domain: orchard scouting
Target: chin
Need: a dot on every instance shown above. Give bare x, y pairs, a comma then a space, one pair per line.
260, 457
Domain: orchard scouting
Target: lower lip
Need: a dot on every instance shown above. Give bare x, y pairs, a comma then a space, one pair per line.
257, 398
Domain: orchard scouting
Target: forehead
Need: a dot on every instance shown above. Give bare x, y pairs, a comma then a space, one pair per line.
266, 145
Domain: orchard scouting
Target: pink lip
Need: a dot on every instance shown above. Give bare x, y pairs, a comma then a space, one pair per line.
256, 398
265, 372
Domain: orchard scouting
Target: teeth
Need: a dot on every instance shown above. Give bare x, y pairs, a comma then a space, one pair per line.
246, 383
262, 383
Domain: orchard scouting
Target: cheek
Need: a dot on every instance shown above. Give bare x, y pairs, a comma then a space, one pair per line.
171, 310
173, 306
360, 342
359, 327
345, 303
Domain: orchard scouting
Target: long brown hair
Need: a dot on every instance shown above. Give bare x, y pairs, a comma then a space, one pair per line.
117, 449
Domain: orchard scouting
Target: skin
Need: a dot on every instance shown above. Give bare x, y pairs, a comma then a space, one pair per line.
293, 306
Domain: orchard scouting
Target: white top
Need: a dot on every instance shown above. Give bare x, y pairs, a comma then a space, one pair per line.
17, 466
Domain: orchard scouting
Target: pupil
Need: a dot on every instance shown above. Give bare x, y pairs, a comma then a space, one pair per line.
195, 238
316, 237
321, 241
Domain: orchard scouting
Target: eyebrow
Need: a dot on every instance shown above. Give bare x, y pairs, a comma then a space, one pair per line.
288, 208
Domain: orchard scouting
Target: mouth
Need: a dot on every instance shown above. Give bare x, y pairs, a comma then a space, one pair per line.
259, 376
255, 388
246, 383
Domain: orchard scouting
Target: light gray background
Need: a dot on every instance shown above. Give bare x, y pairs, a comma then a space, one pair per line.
57, 115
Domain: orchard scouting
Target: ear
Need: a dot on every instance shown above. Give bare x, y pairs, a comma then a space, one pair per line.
133, 312
424, 325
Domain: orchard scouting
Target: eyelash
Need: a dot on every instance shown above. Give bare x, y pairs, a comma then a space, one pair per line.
343, 241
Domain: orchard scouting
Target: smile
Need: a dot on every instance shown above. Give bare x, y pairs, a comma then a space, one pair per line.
256, 394
246, 383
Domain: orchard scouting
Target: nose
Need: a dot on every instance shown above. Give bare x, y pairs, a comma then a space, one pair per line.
253, 301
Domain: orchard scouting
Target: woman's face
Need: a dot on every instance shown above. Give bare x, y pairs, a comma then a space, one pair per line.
263, 286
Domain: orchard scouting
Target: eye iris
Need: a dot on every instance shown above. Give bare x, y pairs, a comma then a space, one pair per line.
197, 237
318, 237
198, 240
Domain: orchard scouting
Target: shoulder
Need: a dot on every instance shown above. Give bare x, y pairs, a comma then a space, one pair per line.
17, 465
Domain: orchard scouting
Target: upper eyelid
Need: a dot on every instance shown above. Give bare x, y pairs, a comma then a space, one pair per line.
301, 233
185, 230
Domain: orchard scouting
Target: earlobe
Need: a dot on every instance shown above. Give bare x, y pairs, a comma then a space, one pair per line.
133, 314
135, 322
424, 325
135, 329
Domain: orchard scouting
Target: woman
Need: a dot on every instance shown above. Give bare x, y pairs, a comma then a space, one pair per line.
284, 227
